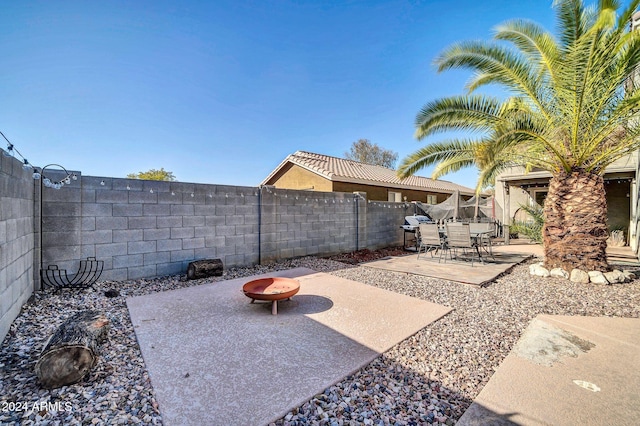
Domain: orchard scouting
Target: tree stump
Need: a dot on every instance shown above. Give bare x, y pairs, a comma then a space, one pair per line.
204, 268
72, 351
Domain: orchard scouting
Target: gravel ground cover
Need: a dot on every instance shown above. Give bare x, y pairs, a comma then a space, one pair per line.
430, 378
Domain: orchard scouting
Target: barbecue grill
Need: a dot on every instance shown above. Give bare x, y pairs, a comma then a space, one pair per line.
411, 225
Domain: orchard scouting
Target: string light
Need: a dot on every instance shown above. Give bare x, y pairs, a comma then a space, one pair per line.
39, 174
11, 149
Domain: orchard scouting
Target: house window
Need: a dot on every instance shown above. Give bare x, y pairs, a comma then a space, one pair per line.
394, 197
432, 199
539, 197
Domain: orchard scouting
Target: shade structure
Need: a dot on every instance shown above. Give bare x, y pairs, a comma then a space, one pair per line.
456, 208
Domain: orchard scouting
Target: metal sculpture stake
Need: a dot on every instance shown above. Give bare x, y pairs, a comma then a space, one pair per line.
88, 273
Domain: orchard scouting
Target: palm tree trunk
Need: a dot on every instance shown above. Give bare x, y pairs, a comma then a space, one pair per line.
575, 229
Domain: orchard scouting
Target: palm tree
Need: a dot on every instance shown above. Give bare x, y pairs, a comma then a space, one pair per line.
566, 112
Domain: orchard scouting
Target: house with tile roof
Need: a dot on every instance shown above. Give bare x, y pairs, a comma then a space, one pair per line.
316, 172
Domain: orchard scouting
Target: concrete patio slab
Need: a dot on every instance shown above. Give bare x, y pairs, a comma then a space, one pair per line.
565, 371
459, 271
216, 359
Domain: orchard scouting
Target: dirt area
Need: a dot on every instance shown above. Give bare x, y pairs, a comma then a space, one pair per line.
366, 255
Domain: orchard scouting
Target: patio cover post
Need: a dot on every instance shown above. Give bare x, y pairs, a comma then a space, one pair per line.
506, 221
456, 205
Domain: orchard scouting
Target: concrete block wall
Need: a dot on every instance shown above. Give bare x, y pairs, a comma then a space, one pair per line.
16, 239
301, 223
59, 211
383, 223
149, 228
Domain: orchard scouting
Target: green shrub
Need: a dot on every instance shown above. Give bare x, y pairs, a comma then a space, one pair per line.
531, 228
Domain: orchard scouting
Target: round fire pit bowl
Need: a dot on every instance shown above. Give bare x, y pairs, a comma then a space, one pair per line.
271, 289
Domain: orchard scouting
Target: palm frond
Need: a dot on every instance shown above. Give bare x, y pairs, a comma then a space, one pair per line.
495, 64
476, 113
436, 152
533, 41
570, 22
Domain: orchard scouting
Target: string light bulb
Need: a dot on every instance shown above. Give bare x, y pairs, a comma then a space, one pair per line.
38, 174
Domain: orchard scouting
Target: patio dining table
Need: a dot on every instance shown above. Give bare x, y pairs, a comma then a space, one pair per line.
481, 238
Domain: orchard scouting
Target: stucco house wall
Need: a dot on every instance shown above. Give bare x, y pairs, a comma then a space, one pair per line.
381, 193
293, 176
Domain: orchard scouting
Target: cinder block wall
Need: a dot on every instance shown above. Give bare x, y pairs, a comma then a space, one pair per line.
148, 228
16, 239
301, 223
383, 223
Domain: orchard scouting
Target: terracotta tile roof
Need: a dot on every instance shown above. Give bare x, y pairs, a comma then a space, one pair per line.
342, 170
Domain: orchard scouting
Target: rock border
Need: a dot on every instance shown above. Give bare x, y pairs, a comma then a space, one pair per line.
584, 277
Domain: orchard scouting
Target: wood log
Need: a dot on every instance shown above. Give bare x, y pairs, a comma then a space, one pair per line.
72, 350
204, 268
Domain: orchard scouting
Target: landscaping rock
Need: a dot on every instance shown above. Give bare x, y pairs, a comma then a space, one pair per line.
579, 276
559, 273
429, 378
597, 277
615, 276
538, 270
629, 276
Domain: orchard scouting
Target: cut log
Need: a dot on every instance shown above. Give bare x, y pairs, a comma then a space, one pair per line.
204, 268
72, 350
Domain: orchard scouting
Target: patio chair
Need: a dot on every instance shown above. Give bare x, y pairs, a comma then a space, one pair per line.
431, 240
459, 237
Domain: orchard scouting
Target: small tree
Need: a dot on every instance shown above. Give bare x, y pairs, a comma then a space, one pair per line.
365, 152
153, 174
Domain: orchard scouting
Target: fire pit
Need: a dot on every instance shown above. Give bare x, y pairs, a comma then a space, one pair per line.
271, 289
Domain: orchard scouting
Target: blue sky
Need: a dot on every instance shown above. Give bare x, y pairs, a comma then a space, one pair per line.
222, 91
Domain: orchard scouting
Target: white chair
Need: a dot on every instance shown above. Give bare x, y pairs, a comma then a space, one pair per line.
459, 237
431, 240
